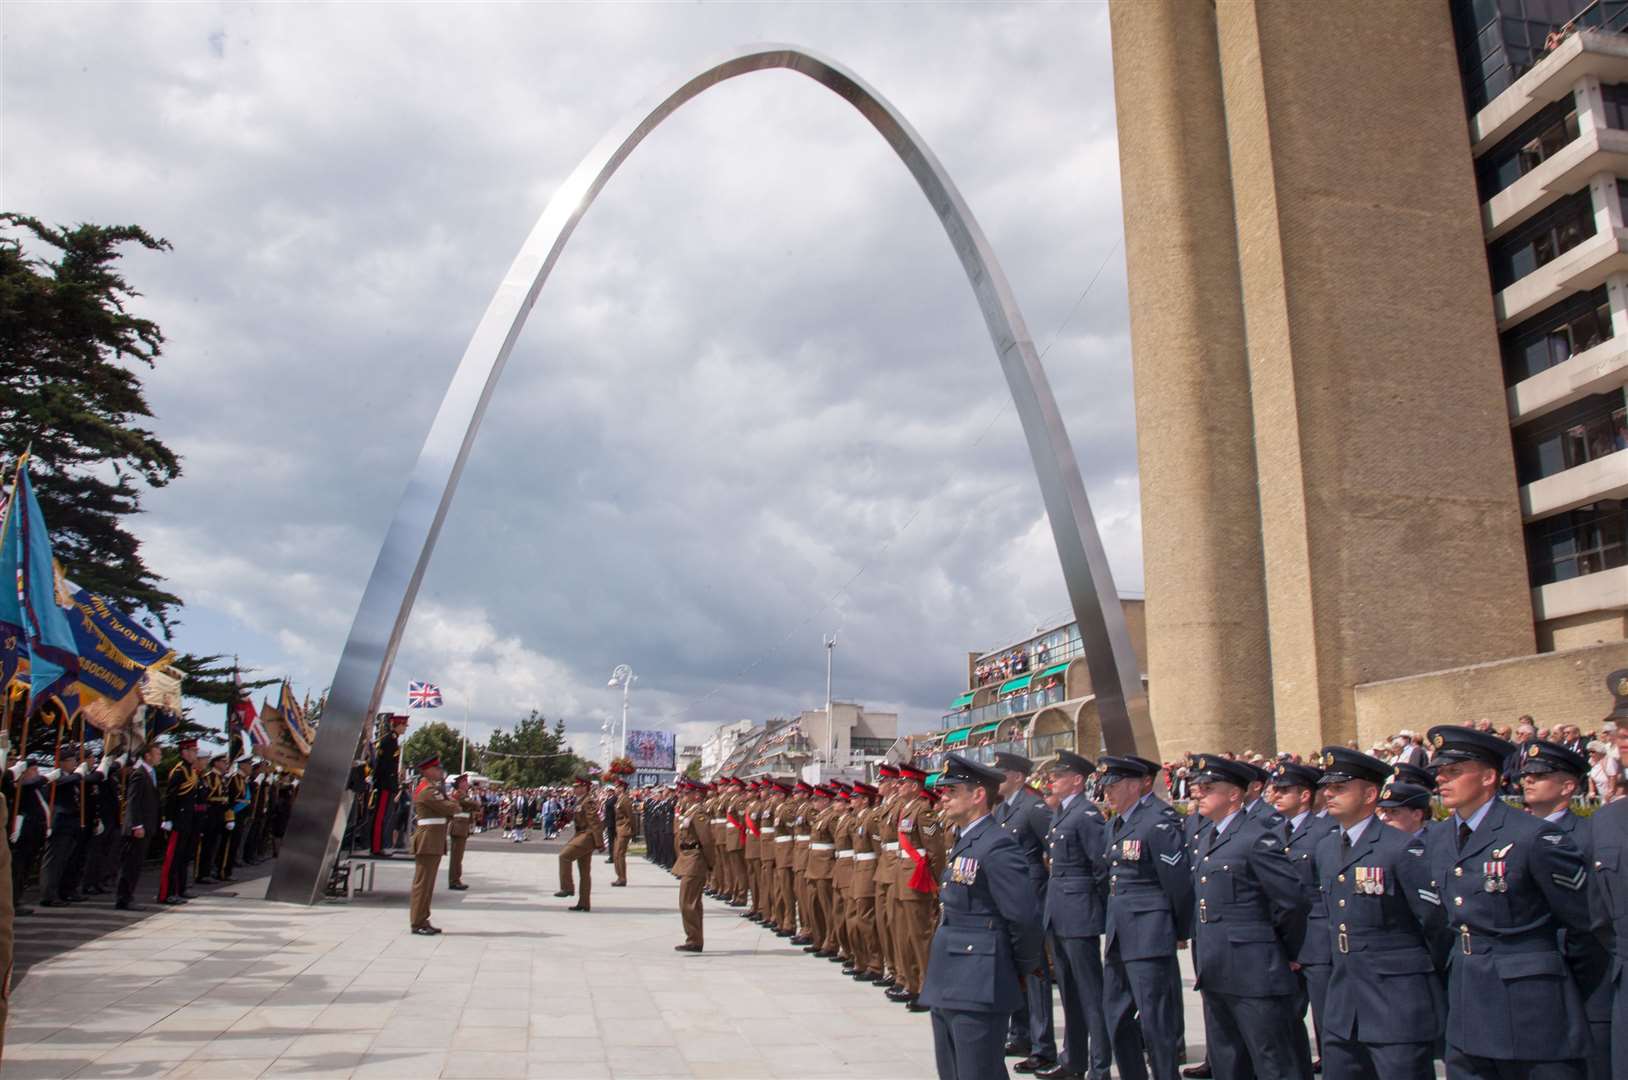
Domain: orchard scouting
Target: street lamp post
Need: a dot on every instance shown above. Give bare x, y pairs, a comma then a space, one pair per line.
830, 720
623, 676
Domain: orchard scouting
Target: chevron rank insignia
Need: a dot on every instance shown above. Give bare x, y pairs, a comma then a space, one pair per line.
1171, 860
1550, 837
1429, 897
1573, 882
1498, 853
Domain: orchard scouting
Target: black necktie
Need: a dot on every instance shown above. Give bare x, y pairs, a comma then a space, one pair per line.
1345, 842
1463, 834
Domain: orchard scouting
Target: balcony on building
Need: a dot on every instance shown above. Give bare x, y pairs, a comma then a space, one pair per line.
1521, 56
1573, 456
1578, 560
1569, 351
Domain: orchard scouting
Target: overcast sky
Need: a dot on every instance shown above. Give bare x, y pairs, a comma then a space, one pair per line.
757, 361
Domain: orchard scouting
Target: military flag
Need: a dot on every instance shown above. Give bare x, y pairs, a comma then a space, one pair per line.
34, 603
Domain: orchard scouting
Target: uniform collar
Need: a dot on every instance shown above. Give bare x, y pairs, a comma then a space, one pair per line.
1295, 822
1221, 827
1354, 833
1476, 818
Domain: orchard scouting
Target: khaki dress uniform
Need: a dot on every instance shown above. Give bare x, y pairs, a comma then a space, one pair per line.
842, 877
785, 823
801, 838
863, 942
624, 835
734, 850
458, 830
888, 882
822, 854
433, 812
917, 910
696, 855
580, 850
751, 845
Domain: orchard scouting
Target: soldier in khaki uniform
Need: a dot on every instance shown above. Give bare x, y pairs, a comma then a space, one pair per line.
587, 838
463, 823
915, 888
803, 798
887, 872
862, 941
822, 855
785, 823
625, 817
751, 814
734, 851
842, 874
432, 811
692, 835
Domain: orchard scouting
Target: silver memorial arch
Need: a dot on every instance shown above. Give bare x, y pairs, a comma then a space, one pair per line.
316, 827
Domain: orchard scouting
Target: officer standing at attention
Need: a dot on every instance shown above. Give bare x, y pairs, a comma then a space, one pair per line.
1611, 886
179, 825
988, 934
1150, 910
1024, 814
1551, 777
386, 779
1251, 921
696, 855
1292, 792
1384, 1010
432, 811
624, 831
1077, 842
462, 824
586, 840
1509, 883
1405, 806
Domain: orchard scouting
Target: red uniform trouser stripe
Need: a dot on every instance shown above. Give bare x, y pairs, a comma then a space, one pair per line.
169, 861
379, 812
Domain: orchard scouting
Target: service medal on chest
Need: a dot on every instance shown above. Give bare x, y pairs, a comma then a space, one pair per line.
1495, 873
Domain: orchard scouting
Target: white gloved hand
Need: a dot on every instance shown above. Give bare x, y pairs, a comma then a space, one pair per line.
230, 825
53, 774
84, 768
100, 829
166, 825
19, 768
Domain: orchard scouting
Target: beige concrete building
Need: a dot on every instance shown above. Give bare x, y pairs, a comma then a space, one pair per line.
1378, 273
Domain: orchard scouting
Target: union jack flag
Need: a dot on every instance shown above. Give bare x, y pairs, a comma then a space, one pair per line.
423, 695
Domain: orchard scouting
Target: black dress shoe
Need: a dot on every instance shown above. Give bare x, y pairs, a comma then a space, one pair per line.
915, 1006
76, 898
866, 977
837, 958
424, 931
1059, 1072
173, 901
1201, 1071
1017, 1050
898, 993
886, 981
1034, 1063
686, 947
125, 905
618, 884
563, 892
460, 887
578, 907
802, 939
53, 903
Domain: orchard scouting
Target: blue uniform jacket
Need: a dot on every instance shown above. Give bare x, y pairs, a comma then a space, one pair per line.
1251, 911
1025, 817
1509, 992
1590, 964
1302, 851
1386, 936
1610, 829
1075, 842
1150, 883
988, 933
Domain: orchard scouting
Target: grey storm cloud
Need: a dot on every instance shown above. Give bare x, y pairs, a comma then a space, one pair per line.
756, 373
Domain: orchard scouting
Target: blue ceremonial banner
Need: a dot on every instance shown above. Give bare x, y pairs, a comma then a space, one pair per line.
13, 650
652, 749
41, 599
114, 650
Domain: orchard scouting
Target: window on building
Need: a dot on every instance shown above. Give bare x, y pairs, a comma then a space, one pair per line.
1582, 541
1566, 438
1543, 239
1616, 106
1500, 40
1554, 335
1533, 143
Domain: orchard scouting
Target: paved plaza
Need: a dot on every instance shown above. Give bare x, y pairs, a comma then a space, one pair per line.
233, 987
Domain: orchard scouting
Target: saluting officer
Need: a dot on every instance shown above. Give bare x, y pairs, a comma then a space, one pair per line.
1291, 792
1551, 777
1025, 815
1074, 919
1509, 883
988, 934
1251, 921
587, 839
432, 812
1384, 1010
1150, 910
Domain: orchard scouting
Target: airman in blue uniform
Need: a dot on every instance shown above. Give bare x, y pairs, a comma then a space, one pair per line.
1074, 919
1150, 909
1251, 922
1611, 890
988, 934
1292, 792
1509, 883
1025, 816
1385, 930
1405, 806
1551, 777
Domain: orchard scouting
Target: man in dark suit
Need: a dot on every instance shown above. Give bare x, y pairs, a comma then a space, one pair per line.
1251, 923
988, 935
1551, 777
1509, 884
1077, 843
1023, 815
140, 823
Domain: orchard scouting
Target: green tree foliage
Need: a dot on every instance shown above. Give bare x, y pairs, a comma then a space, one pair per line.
693, 769
438, 739
213, 679
541, 756
70, 386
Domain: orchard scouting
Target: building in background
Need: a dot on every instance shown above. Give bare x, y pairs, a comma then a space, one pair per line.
1376, 258
721, 745
686, 756
861, 738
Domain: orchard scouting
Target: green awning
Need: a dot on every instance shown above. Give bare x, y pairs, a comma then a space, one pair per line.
985, 729
1013, 685
1055, 669
958, 737
963, 701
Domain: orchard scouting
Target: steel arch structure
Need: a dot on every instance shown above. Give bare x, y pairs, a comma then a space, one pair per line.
316, 826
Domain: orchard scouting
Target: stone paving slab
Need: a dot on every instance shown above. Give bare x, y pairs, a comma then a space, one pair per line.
517, 986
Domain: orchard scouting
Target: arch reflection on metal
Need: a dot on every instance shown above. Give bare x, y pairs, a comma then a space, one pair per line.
314, 832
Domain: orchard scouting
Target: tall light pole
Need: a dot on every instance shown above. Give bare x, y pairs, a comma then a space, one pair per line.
830, 720
623, 676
